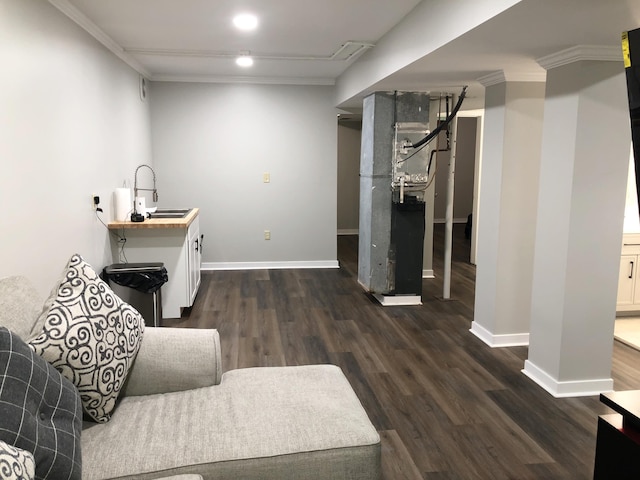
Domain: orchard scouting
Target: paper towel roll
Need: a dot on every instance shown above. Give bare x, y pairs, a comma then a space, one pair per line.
123, 204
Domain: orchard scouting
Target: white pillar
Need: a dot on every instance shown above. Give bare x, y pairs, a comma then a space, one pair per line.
448, 217
507, 209
583, 175
429, 202
427, 259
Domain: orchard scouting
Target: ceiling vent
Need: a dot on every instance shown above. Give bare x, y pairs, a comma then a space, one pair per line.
350, 50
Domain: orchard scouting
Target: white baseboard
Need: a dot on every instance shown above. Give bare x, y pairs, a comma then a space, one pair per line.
497, 341
455, 220
398, 300
269, 265
572, 388
355, 231
428, 274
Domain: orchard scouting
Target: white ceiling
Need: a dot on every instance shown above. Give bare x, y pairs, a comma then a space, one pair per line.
513, 41
174, 39
195, 40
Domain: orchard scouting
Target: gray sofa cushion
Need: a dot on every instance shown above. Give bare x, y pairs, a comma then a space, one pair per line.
15, 463
20, 305
40, 410
194, 360
91, 336
182, 477
281, 423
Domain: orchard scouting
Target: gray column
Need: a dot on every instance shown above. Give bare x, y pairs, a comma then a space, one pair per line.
375, 191
583, 175
381, 111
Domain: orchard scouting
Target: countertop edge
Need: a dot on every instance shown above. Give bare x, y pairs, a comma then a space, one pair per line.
157, 222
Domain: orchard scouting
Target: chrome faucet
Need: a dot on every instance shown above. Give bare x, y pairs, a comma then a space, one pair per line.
135, 183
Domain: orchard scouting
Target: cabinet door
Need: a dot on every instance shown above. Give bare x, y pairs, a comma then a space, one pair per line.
194, 260
627, 279
636, 283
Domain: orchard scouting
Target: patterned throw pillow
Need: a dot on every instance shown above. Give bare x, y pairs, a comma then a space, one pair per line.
92, 337
16, 464
40, 411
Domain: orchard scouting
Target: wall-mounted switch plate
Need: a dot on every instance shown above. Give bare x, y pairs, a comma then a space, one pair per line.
267, 235
266, 177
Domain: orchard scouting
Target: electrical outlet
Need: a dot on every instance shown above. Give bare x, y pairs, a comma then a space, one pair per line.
95, 203
267, 235
266, 177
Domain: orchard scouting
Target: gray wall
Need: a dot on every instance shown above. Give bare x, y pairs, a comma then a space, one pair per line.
213, 142
72, 124
349, 134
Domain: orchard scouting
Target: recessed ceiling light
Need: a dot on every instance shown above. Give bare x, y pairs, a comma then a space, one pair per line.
245, 21
244, 61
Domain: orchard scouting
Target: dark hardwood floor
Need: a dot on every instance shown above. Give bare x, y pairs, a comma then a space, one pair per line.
446, 405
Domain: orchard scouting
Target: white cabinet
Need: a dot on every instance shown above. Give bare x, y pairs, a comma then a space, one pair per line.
627, 280
194, 259
628, 283
177, 244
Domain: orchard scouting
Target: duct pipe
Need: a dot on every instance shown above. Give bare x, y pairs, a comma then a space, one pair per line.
448, 228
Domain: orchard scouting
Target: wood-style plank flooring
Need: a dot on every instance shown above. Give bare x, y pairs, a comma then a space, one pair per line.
446, 405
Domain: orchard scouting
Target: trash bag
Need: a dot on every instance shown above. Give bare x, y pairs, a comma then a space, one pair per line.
143, 277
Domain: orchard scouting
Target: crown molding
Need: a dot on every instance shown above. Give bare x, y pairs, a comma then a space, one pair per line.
92, 29
500, 76
580, 53
493, 78
341, 55
315, 81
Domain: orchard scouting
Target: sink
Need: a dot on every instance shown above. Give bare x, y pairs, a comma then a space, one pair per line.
170, 213
167, 215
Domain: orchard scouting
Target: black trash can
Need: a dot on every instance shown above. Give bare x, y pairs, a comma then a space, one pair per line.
139, 284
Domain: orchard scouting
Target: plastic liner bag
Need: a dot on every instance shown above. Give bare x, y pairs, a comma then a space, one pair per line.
143, 277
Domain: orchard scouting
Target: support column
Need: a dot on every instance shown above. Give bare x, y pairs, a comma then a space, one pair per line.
388, 226
507, 209
583, 174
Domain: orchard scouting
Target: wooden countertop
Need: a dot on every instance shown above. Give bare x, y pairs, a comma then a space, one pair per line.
631, 239
157, 222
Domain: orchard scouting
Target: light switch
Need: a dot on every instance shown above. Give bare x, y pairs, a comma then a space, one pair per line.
266, 177
267, 235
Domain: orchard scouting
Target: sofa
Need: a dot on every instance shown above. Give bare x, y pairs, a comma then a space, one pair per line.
176, 415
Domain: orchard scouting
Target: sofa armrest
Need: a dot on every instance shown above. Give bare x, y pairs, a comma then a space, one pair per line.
175, 359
